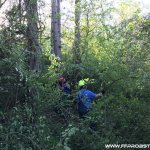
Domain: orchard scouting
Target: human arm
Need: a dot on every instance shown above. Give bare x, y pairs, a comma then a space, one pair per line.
99, 95
93, 95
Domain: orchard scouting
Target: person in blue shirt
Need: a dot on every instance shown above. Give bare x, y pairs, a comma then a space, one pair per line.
85, 99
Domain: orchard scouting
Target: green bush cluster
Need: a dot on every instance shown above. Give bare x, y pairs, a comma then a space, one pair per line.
35, 114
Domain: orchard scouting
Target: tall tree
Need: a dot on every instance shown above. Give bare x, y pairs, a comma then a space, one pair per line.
56, 28
34, 47
77, 41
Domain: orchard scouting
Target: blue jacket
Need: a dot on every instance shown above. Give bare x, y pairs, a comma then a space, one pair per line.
85, 99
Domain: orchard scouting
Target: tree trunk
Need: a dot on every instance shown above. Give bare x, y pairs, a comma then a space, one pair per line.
34, 47
20, 11
56, 28
77, 41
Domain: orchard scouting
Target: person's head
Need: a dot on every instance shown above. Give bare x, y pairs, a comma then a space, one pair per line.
61, 80
82, 84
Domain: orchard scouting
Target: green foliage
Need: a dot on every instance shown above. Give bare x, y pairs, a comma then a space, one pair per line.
120, 65
118, 120
24, 130
13, 70
35, 113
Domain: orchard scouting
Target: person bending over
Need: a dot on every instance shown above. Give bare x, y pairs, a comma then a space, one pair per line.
85, 98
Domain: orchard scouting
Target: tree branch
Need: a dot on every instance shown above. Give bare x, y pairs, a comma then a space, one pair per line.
2, 3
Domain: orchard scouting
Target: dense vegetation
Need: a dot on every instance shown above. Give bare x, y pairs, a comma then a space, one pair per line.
34, 113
